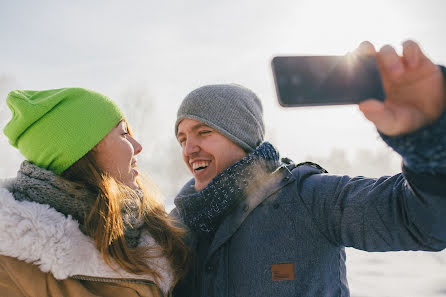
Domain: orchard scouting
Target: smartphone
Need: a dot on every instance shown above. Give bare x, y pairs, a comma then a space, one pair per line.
326, 80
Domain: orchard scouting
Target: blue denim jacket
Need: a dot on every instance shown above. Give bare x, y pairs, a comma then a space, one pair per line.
288, 237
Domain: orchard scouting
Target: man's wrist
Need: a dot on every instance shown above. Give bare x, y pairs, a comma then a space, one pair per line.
424, 150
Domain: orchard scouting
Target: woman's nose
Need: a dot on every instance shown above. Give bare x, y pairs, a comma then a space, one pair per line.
137, 147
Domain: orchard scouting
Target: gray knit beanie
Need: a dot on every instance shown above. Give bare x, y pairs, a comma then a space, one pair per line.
234, 111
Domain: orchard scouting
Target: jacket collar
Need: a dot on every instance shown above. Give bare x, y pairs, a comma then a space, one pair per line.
38, 234
280, 178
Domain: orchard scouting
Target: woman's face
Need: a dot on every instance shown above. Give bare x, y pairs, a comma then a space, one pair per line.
116, 155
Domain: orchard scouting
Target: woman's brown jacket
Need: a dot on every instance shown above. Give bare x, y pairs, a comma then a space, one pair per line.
43, 253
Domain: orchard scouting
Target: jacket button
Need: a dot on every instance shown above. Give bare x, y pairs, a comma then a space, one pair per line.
245, 208
209, 268
276, 205
286, 178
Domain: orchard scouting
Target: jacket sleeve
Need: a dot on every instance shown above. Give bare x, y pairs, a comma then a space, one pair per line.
402, 212
384, 214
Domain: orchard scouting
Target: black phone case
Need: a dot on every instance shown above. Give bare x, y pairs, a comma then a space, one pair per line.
326, 80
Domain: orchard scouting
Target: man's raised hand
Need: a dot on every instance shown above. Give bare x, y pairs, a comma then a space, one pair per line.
414, 86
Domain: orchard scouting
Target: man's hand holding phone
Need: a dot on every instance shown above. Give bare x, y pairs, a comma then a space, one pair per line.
399, 94
414, 88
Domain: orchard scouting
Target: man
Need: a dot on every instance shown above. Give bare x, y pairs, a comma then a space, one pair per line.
261, 227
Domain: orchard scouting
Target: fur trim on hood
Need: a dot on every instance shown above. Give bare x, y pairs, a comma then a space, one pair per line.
38, 234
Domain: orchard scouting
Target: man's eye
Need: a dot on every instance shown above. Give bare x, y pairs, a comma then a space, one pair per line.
205, 132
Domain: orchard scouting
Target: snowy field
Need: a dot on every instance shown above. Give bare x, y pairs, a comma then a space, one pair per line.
396, 274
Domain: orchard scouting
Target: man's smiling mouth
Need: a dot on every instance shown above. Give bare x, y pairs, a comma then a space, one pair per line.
200, 165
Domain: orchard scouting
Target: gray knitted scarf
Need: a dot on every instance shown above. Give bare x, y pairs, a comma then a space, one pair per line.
204, 211
42, 186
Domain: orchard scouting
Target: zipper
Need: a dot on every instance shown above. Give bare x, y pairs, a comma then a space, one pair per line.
117, 281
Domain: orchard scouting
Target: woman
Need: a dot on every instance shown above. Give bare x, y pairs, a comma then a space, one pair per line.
78, 220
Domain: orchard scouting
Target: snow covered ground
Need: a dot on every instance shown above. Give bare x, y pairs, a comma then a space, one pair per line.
396, 274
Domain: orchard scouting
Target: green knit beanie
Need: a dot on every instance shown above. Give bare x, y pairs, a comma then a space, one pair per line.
55, 128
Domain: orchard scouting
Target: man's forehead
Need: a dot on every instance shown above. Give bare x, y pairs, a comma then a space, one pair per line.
190, 125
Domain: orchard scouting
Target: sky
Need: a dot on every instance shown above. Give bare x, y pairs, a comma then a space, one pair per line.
166, 50
147, 55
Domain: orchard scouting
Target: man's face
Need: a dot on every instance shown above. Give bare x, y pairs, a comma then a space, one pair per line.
206, 152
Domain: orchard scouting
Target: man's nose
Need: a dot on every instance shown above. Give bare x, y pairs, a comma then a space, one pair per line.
191, 147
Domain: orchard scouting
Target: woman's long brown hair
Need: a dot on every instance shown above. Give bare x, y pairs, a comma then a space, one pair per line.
105, 224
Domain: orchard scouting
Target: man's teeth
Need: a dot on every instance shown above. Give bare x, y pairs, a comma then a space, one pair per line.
200, 165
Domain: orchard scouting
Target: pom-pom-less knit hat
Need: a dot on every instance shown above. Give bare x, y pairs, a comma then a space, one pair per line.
55, 128
234, 111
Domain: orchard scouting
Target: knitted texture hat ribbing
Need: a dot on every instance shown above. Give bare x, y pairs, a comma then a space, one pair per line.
234, 111
55, 128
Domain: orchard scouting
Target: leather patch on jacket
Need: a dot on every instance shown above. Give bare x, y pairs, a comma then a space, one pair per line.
282, 272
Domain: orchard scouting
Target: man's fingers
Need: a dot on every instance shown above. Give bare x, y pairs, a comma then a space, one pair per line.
411, 53
391, 63
371, 107
376, 112
366, 48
